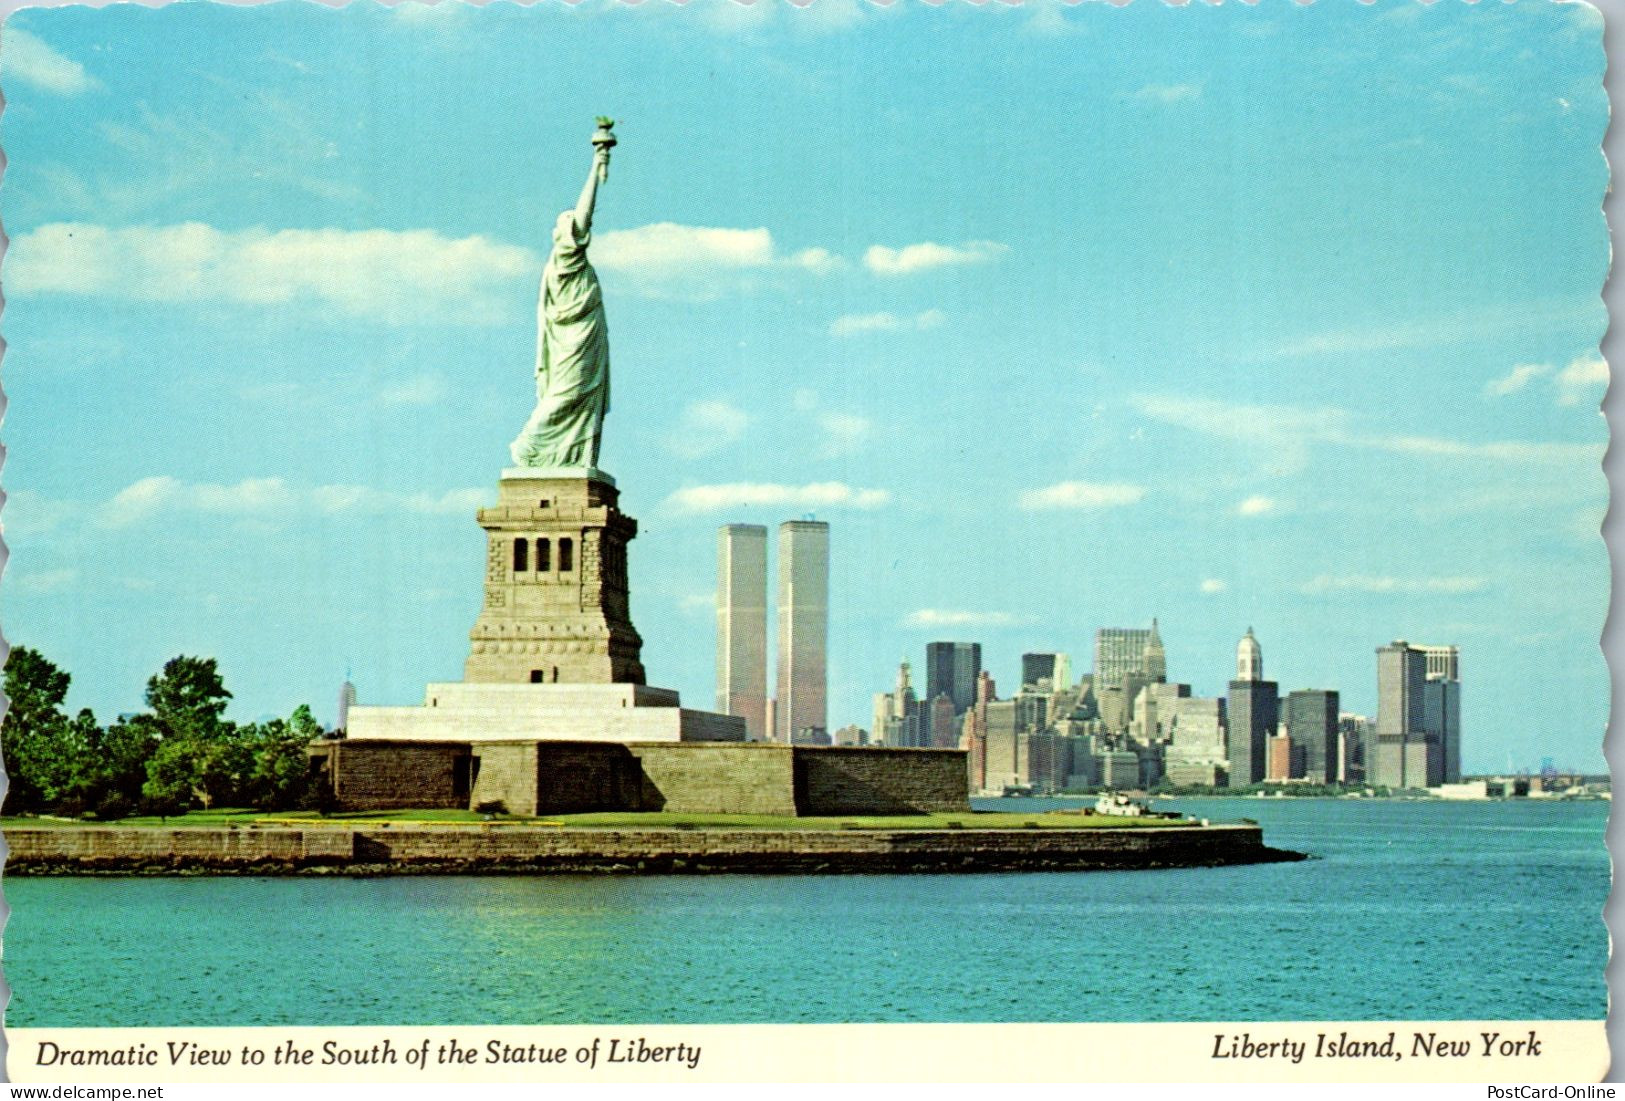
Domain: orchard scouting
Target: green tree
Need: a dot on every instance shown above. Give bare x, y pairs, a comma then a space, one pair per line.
188, 698
115, 773
225, 765
36, 733
282, 761
172, 773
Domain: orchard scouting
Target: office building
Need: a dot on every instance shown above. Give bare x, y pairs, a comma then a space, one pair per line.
1356, 745
1253, 710
898, 715
742, 626
951, 669
1128, 651
1406, 756
1441, 707
1249, 658
1312, 724
1054, 668
1280, 763
1196, 754
943, 723
346, 701
803, 628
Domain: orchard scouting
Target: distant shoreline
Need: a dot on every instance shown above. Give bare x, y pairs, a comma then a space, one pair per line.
408, 849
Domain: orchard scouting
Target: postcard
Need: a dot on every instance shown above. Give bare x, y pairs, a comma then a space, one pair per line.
719, 542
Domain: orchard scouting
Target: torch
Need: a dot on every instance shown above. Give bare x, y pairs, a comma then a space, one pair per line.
604, 138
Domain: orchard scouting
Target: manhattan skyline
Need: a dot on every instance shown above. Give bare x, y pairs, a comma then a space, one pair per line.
1072, 356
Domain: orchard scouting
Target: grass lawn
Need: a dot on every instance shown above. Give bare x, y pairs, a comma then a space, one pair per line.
619, 820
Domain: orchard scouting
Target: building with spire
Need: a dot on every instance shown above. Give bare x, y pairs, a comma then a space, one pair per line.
1253, 711
1154, 658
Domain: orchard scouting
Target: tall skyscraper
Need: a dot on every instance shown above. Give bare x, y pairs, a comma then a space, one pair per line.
742, 626
1155, 659
1249, 658
951, 669
1311, 723
1054, 668
1127, 651
803, 627
1441, 707
898, 715
1406, 756
1254, 707
346, 701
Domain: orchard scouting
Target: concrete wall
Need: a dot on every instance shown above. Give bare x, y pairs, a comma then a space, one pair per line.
556, 777
394, 775
748, 778
839, 780
506, 774
579, 778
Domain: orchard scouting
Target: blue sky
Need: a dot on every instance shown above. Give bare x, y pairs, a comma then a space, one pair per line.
1063, 317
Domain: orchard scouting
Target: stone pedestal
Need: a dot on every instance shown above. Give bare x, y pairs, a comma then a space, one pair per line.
556, 605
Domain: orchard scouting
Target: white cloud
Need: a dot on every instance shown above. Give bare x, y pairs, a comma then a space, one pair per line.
843, 434
944, 617
45, 581
1212, 586
1279, 434
858, 323
1579, 377
926, 255
269, 500
706, 427
839, 433
1516, 379
1049, 17
712, 498
1456, 327
667, 260
397, 276
746, 18
667, 247
424, 389
1258, 505
27, 513
1363, 583
24, 57
1167, 93
820, 261
149, 497
1283, 435
1082, 495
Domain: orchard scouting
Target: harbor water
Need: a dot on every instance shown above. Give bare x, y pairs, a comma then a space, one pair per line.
1411, 910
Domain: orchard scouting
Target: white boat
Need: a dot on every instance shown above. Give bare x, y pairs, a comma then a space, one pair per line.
1119, 805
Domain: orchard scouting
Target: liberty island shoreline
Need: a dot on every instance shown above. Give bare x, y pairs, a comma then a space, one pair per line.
521, 849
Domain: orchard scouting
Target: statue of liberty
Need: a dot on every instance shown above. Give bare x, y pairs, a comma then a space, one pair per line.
572, 345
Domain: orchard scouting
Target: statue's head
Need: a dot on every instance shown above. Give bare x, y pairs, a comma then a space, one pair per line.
564, 231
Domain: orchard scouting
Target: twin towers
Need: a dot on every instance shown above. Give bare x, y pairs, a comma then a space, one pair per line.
797, 714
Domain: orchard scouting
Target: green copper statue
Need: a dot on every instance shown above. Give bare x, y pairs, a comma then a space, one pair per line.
572, 348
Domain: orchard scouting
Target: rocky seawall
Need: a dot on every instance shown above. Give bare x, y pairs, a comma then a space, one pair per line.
541, 850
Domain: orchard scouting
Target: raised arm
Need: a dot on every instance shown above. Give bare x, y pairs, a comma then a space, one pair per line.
589, 192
